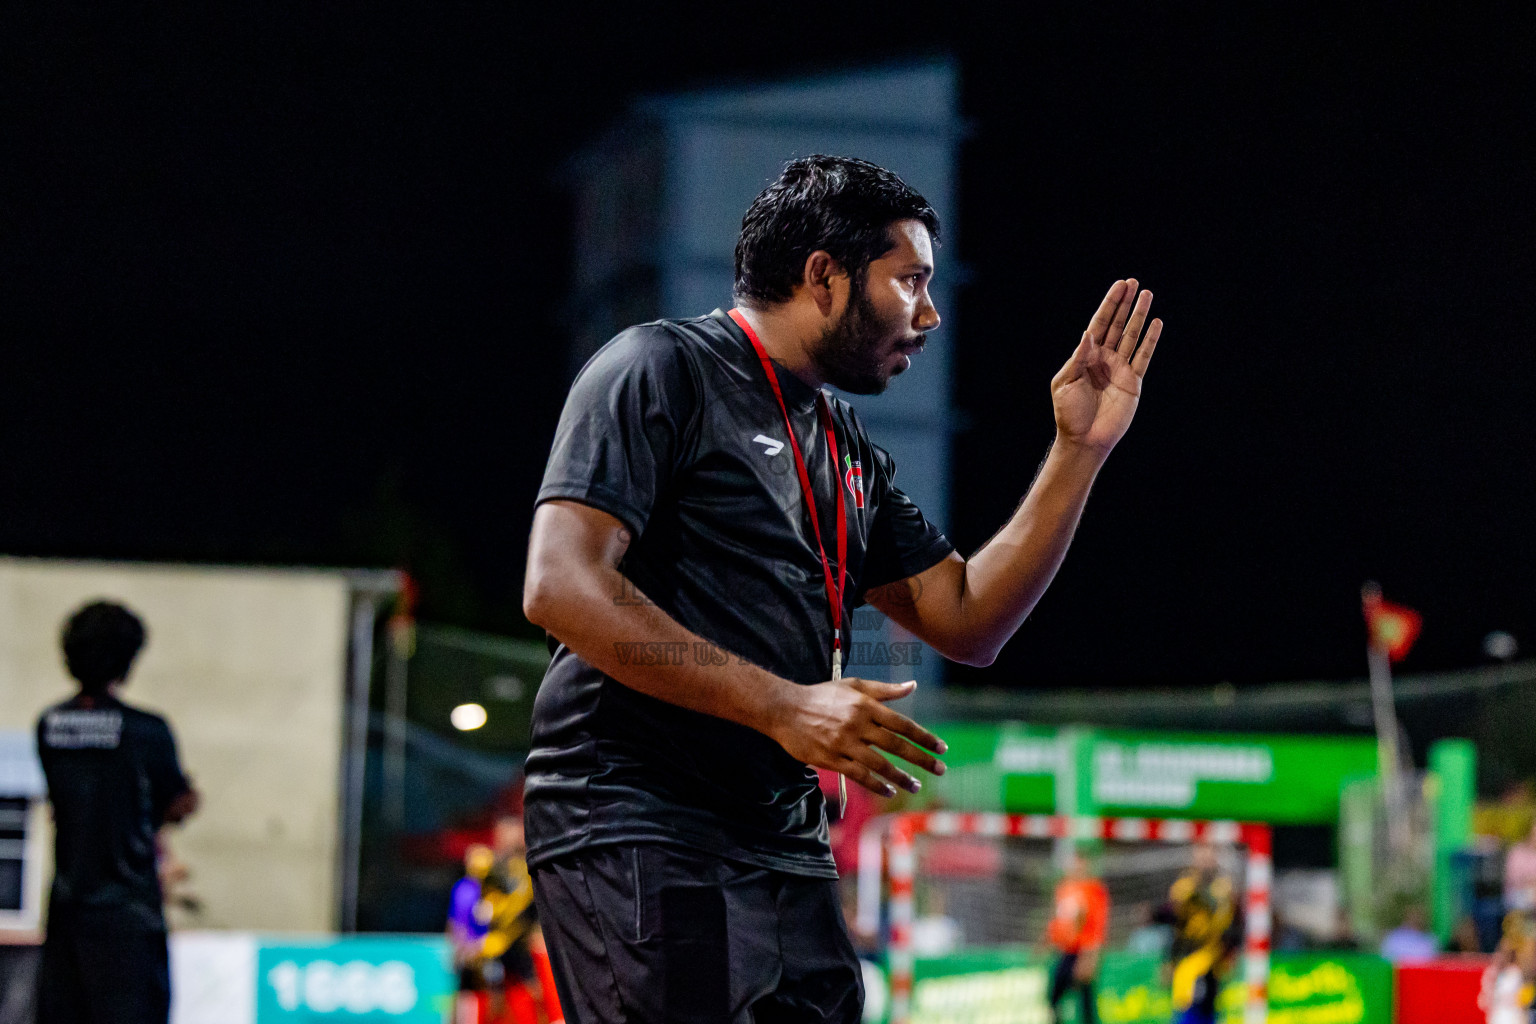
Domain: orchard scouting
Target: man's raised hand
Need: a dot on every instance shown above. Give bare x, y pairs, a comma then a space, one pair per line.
1096, 392
839, 725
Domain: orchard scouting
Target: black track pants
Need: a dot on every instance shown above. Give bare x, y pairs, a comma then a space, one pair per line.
653, 934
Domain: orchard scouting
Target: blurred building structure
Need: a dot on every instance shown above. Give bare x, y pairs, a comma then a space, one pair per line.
659, 202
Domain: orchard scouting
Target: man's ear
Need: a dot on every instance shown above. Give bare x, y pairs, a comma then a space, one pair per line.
826, 280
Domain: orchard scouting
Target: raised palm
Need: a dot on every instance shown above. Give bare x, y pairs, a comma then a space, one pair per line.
1096, 392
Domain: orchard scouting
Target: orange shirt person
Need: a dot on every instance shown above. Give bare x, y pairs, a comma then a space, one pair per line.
1077, 930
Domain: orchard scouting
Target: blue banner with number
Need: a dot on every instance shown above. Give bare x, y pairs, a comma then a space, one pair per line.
374, 980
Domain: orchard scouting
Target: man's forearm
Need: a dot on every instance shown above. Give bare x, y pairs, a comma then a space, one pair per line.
574, 589
1004, 580
601, 616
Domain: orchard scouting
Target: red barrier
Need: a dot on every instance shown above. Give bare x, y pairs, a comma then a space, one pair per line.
1441, 991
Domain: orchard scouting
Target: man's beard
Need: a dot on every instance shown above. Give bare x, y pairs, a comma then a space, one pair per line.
852, 353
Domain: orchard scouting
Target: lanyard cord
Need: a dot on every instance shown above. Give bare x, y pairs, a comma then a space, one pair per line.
834, 590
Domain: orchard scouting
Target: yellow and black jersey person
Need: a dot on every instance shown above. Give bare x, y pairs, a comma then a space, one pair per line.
506, 907
1207, 927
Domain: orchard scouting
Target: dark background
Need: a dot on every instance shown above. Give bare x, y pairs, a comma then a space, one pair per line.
287, 287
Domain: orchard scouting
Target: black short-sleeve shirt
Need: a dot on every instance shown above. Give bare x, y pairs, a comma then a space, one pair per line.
112, 773
673, 429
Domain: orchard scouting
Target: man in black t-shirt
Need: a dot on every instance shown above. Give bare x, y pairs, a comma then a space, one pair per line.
708, 520
113, 781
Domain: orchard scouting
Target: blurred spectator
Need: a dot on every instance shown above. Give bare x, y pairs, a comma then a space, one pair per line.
468, 917
1149, 935
509, 965
1464, 937
1077, 930
935, 933
1286, 937
1410, 942
1500, 998
1520, 874
1208, 926
1343, 939
1510, 816
1504, 996
495, 935
114, 781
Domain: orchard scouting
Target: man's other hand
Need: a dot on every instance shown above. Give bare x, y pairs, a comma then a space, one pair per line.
839, 725
182, 807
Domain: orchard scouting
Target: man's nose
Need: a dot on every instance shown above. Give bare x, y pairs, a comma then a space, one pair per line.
927, 318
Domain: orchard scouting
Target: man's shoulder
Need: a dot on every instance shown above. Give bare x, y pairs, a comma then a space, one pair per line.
143, 721
666, 350
63, 705
676, 362
669, 338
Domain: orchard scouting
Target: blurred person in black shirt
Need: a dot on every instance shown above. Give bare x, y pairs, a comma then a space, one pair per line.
709, 518
113, 781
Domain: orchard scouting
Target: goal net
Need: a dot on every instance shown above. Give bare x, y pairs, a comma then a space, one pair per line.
974, 881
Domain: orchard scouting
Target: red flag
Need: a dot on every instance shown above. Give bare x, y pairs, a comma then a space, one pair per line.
1393, 628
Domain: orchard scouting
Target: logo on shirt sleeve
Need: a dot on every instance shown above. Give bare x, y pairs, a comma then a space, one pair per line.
854, 478
771, 447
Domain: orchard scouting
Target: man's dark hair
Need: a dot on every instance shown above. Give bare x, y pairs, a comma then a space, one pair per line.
842, 205
100, 642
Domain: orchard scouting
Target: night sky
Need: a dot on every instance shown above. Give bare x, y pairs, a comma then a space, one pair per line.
290, 288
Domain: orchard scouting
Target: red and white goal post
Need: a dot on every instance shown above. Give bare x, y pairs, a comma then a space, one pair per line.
901, 832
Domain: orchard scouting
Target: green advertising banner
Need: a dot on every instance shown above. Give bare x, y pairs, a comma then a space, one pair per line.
376, 980
1323, 988
1275, 778
1010, 986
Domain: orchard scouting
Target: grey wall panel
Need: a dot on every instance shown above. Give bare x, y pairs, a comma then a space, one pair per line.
900, 97
693, 291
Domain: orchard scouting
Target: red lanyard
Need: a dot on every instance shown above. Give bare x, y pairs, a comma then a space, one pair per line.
834, 590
